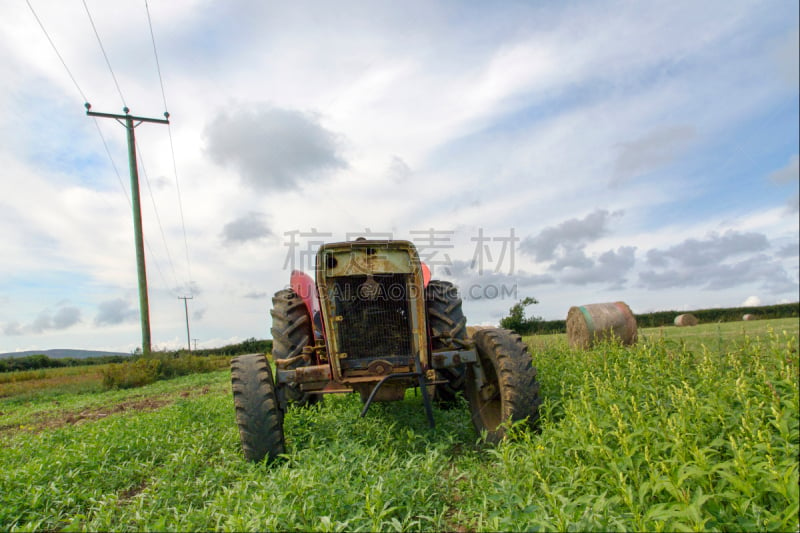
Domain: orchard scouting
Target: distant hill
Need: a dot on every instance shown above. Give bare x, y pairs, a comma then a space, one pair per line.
62, 353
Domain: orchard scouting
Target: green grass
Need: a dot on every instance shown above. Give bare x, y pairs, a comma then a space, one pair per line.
693, 429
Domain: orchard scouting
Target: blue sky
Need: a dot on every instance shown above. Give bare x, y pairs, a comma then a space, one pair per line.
643, 152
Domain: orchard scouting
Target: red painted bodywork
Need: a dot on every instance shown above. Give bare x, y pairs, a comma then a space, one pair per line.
426, 274
303, 285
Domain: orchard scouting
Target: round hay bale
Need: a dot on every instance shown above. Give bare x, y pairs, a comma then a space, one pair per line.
748, 316
686, 319
588, 324
472, 329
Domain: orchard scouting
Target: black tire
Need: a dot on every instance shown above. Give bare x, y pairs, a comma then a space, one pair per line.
448, 328
291, 332
511, 390
258, 415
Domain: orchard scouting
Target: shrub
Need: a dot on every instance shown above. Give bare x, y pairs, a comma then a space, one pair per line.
150, 369
131, 374
516, 320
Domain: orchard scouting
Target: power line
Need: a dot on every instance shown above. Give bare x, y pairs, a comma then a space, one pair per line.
102, 137
155, 210
180, 206
75, 82
56, 51
155, 53
147, 180
104, 54
171, 144
152, 257
113, 165
128, 198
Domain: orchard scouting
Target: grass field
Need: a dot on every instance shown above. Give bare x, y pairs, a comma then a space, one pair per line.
693, 429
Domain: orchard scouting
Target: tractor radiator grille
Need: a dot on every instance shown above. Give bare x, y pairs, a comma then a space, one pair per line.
375, 317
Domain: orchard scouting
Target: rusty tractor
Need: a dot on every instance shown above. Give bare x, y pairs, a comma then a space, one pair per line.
374, 323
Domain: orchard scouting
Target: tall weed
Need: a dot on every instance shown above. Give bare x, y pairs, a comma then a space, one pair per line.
146, 370
654, 438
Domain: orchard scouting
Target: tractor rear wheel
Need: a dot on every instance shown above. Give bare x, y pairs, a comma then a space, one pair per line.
448, 328
510, 390
291, 332
258, 415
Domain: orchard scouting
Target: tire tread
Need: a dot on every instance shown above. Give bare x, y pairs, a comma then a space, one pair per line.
258, 415
516, 379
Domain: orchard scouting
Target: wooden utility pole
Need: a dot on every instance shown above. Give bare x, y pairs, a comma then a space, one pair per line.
130, 122
186, 308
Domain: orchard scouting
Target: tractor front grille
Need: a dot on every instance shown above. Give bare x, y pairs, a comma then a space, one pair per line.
375, 318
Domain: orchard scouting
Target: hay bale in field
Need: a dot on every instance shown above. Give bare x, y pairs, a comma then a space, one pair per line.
686, 319
588, 324
472, 329
748, 316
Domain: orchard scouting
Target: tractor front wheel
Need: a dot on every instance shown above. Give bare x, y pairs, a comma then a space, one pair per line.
509, 391
258, 415
448, 331
291, 332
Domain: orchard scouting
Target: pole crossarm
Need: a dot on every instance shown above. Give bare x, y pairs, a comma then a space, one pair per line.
126, 116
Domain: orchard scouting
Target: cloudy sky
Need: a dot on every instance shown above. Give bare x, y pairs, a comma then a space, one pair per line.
576, 152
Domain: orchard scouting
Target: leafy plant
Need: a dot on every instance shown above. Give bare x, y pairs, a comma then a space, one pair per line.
679, 433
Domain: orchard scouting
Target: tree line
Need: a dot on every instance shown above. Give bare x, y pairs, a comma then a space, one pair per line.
37, 362
40, 361
251, 345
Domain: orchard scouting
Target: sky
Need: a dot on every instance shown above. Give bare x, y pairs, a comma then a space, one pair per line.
574, 152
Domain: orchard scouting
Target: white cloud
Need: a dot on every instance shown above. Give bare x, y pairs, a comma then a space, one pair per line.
751, 301
787, 59
249, 227
570, 236
399, 171
394, 117
655, 149
64, 317
111, 312
610, 268
12, 329
789, 173
710, 251
271, 148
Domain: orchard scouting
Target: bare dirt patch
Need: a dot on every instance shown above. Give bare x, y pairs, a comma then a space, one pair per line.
147, 404
59, 418
127, 495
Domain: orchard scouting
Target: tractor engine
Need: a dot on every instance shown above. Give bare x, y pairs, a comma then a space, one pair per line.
372, 300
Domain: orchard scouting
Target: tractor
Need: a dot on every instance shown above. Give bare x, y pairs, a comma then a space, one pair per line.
373, 322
